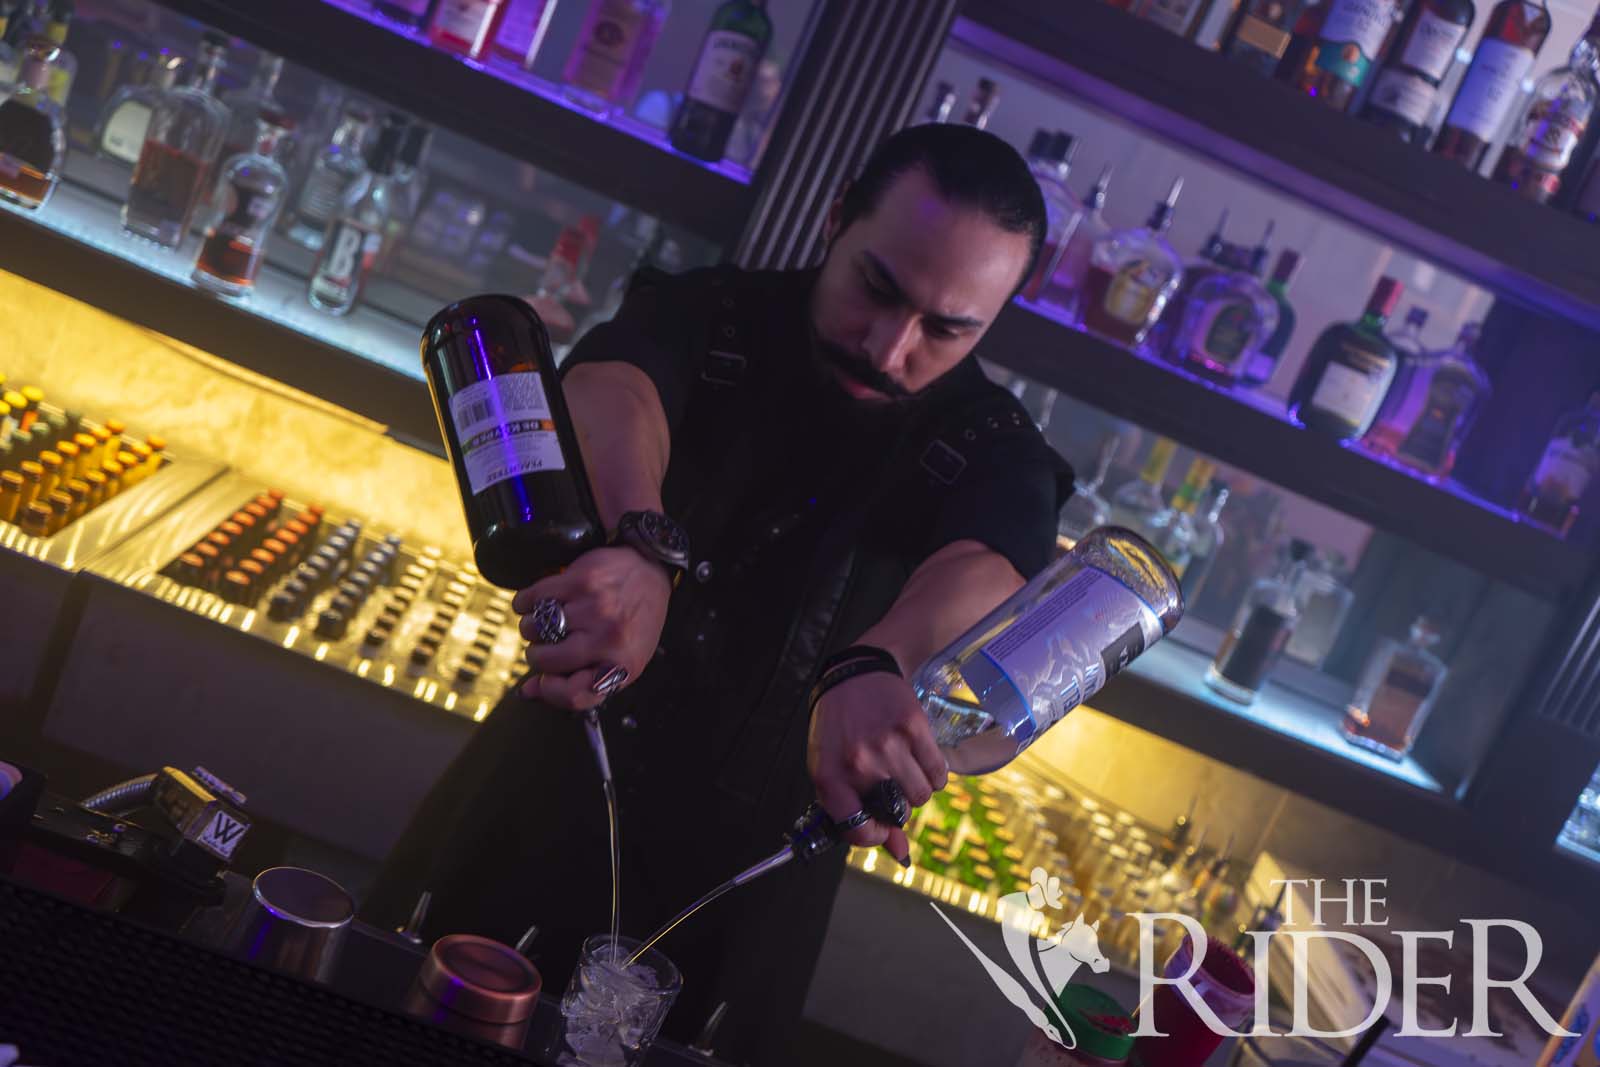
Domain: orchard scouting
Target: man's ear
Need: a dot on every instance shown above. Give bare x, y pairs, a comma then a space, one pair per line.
830, 226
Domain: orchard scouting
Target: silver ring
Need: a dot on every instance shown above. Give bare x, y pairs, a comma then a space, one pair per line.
610, 680
549, 621
845, 825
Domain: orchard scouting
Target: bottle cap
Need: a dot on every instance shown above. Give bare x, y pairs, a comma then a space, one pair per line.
33, 393
1385, 295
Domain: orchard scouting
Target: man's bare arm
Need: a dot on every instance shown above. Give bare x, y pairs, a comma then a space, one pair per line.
945, 596
622, 429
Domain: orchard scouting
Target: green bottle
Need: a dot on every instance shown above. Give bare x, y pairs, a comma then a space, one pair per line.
1265, 360
723, 75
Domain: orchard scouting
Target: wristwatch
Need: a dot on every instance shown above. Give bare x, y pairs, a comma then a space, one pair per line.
656, 537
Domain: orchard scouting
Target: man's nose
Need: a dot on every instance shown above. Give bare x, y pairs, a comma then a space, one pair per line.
890, 340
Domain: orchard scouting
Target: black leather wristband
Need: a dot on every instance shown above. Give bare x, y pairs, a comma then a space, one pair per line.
858, 652
850, 663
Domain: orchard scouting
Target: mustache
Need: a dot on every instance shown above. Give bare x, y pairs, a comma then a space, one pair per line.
861, 369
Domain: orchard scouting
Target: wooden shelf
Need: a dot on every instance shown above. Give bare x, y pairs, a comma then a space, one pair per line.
1251, 433
500, 106
1266, 131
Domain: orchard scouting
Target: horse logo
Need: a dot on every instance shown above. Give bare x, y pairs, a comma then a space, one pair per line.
1048, 965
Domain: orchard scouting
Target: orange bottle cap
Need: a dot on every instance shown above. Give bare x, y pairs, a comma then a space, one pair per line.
96, 477
49, 459
84, 441
252, 568
68, 449
207, 551
116, 425
156, 442
100, 434
112, 468
127, 459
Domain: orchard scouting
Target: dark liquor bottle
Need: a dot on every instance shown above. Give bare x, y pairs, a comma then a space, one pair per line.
413, 14
355, 237
1349, 370
529, 506
249, 193
984, 101
180, 148
1515, 32
1261, 33
1542, 145
1403, 93
1265, 361
1352, 37
1557, 485
739, 35
32, 142
1260, 630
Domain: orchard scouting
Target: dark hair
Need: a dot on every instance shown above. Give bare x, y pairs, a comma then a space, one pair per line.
968, 166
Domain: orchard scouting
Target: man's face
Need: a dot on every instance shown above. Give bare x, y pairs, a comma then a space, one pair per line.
907, 291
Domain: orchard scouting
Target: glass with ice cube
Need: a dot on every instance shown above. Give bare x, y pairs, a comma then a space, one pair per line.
613, 1009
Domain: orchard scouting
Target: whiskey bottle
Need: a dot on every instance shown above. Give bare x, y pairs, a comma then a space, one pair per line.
1352, 37
1051, 163
337, 167
1072, 268
1401, 401
1557, 485
1542, 144
1260, 630
529, 506
604, 69
249, 193
1132, 275
247, 106
1405, 90
739, 36
1348, 370
125, 119
522, 29
1047, 648
1515, 32
463, 26
1396, 693
32, 141
1456, 390
355, 236
1227, 319
180, 149
1261, 33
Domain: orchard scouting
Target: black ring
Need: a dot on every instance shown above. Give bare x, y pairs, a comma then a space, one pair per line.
549, 621
845, 825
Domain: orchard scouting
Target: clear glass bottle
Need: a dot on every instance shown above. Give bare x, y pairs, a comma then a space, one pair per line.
339, 165
64, 67
1557, 485
603, 70
1206, 262
1403, 400
1173, 528
1072, 265
1132, 275
250, 192
1348, 371
1396, 693
32, 140
1324, 604
1136, 502
125, 119
1541, 145
1051, 164
1229, 316
180, 150
355, 235
1208, 539
1047, 648
248, 104
1511, 38
1453, 389
1260, 368
1260, 630
1086, 509
1405, 90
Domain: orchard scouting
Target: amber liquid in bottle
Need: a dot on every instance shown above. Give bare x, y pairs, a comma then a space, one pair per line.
529, 506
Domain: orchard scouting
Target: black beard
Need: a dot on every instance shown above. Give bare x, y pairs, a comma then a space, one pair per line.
860, 369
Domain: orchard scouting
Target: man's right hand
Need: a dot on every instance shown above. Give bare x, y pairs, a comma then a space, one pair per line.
615, 602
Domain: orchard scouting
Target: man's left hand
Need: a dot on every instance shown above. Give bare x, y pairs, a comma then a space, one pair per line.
863, 731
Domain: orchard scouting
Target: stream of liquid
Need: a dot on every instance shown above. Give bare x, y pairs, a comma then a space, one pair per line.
667, 928
616, 866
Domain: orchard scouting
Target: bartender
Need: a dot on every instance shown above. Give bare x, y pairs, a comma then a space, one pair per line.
813, 488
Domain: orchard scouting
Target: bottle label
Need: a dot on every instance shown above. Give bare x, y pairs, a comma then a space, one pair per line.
348, 253
1351, 36
1452, 398
520, 25
465, 20
1432, 47
1226, 331
601, 59
726, 70
1402, 93
124, 131
1490, 88
1062, 650
505, 429
1131, 297
1553, 131
1565, 470
1348, 393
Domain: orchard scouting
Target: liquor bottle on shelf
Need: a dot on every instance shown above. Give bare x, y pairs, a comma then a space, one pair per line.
1047, 648
1557, 485
1132, 275
463, 26
1135, 503
520, 35
604, 68
1407, 85
125, 119
1541, 146
1259, 370
1207, 261
412, 14
1260, 630
180, 149
1324, 603
247, 105
1261, 33
64, 67
1208, 539
1352, 37
1051, 163
1348, 370
720, 82
1515, 32
339, 165
505, 423
1228, 317
1401, 402
32, 141
1456, 392
1072, 269
1212, 25
354, 239
984, 100
250, 191
409, 185
1086, 509
1175, 16
944, 102
1396, 693
1173, 528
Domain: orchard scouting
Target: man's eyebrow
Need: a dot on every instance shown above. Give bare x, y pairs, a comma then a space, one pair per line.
886, 278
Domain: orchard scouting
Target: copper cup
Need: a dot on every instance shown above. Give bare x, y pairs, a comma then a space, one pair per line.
476, 986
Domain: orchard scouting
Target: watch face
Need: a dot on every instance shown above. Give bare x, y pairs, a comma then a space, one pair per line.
666, 535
